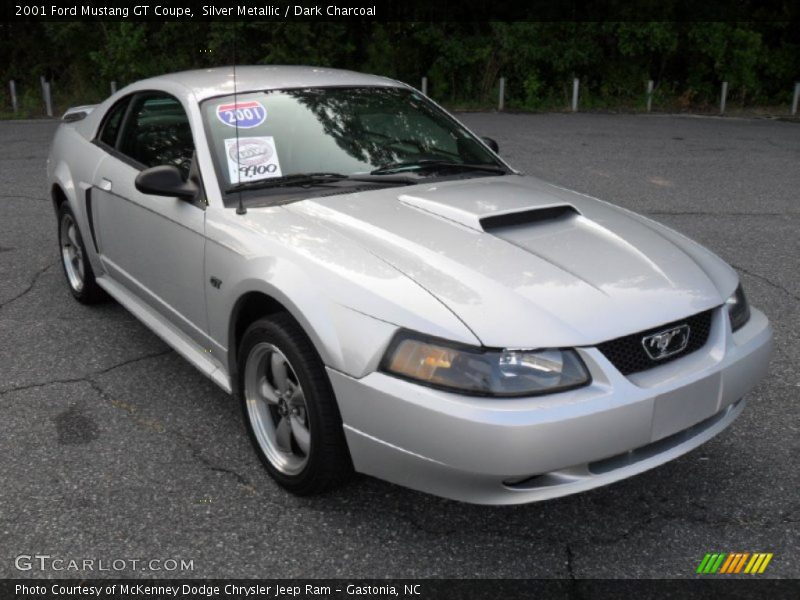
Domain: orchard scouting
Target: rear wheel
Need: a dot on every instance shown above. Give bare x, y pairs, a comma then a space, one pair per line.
289, 407
74, 260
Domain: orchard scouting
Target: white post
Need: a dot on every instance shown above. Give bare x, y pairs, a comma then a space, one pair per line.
113, 87
575, 86
723, 97
48, 99
46, 96
649, 95
796, 98
424, 86
13, 87
501, 101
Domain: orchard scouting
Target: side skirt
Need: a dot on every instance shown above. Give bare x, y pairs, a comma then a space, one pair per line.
182, 344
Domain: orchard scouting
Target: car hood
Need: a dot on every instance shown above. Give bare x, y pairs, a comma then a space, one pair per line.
526, 264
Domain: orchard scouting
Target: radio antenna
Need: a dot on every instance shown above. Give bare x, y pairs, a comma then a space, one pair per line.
240, 209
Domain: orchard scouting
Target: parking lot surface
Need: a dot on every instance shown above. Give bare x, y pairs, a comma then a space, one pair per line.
114, 447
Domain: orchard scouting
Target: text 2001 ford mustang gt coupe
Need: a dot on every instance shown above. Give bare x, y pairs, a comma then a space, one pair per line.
385, 295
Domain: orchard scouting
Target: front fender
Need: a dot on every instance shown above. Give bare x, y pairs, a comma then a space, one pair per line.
348, 301
346, 340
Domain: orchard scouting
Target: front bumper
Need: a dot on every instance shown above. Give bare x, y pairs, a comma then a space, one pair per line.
510, 451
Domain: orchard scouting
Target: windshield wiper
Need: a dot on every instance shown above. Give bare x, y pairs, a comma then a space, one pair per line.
287, 180
434, 164
304, 179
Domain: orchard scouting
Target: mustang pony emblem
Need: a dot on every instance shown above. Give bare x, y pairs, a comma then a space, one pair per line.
666, 343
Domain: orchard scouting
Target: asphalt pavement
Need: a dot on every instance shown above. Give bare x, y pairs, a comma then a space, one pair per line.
113, 447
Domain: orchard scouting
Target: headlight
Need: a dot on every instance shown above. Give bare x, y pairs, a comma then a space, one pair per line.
738, 309
483, 372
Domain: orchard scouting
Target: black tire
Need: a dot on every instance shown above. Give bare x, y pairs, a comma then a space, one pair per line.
328, 462
86, 290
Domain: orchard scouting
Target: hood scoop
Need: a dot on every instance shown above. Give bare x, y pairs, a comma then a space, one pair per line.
528, 216
489, 221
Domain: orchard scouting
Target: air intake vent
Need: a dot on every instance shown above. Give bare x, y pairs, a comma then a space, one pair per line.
526, 217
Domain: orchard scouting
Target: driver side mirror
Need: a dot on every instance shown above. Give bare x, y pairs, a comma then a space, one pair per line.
165, 180
492, 144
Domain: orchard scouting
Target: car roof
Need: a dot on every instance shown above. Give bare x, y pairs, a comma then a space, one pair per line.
218, 81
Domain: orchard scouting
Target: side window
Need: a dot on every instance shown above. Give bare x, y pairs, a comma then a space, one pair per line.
157, 133
110, 127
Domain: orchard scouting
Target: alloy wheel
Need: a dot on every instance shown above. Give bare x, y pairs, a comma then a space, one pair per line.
276, 407
72, 252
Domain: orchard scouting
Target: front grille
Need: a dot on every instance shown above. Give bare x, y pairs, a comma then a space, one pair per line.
628, 355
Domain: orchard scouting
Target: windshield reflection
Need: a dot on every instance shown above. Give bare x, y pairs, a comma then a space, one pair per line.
408, 132
338, 130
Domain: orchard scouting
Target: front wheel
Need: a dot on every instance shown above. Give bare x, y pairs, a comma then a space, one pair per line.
289, 407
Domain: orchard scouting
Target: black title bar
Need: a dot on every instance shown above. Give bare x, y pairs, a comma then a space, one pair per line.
21, 11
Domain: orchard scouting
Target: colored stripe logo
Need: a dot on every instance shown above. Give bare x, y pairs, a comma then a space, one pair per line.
735, 562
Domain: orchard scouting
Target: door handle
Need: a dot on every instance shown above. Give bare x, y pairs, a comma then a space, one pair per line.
105, 184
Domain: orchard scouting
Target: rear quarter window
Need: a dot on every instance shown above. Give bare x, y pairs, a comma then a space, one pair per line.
109, 130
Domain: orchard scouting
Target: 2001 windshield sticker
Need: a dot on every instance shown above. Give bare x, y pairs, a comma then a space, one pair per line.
244, 115
256, 158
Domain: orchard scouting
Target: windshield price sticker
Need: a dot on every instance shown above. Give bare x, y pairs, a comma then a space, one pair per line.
244, 115
256, 158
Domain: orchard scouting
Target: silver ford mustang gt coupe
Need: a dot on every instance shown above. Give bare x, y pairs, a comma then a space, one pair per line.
385, 295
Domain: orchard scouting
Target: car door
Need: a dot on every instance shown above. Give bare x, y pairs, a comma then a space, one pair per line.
152, 245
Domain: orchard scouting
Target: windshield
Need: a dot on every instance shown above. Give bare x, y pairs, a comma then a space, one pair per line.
347, 131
